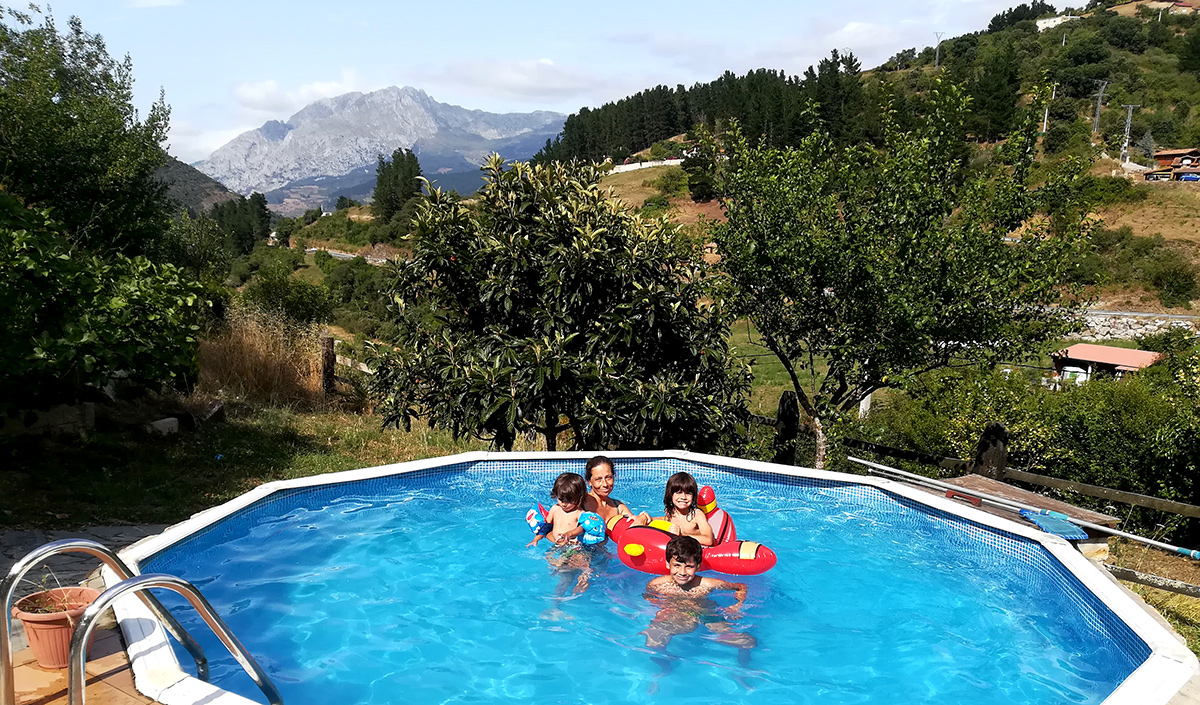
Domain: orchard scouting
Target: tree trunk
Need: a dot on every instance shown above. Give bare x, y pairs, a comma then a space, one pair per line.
822, 443
551, 427
787, 427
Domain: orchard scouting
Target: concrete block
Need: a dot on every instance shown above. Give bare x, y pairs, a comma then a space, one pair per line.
163, 427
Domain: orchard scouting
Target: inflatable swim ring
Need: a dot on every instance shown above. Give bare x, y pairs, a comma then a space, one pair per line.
718, 519
644, 548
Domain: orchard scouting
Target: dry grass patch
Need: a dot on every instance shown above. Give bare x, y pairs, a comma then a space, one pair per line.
262, 358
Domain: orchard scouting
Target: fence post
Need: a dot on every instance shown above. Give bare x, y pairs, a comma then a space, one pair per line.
328, 363
991, 453
787, 427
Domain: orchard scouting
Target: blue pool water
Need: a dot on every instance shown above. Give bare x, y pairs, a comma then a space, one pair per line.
419, 589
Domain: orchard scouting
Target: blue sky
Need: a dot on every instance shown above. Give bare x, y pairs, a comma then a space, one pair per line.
229, 66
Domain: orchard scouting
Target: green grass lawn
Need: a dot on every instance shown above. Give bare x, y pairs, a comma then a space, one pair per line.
770, 378
130, 478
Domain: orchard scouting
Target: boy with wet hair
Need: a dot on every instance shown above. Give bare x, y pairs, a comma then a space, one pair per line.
568, 493
684, 604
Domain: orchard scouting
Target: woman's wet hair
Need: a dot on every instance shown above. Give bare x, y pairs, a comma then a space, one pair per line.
569, 487
597, 462
679, 482
685, 549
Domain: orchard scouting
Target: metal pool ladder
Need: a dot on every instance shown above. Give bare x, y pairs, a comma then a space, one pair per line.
131, 582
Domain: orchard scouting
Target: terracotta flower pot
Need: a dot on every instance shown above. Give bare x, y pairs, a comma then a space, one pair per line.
49, 633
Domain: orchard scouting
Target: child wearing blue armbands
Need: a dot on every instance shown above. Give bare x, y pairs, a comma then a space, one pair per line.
569, 527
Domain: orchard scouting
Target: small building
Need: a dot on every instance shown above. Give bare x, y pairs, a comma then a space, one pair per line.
1079, 362
1159, 174
1051, 22
1178, 157
1182, 8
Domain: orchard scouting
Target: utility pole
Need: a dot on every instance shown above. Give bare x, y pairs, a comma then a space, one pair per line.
1128, 123
1046, 115
937, 51
1099, 100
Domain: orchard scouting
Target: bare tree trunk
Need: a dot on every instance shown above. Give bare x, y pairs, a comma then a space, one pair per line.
822, 443
551, 427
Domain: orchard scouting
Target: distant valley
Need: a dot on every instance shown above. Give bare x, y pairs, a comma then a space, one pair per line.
330, 147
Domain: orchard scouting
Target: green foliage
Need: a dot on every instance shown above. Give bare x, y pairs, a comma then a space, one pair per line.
1137, 434
324, 261
312, 215
547, 308
1120, 257
666, 149
656, 205
71, 140
246, 221
273, 290
700, 165
994, 93
344, 202
1020, 13
359, 292
197, 246
396, 181
339, 228
673, 181
73, 320
883, 263
1101, 191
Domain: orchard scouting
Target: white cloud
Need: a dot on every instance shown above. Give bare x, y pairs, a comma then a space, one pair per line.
154, 3
269, 99
188, 143
522, 81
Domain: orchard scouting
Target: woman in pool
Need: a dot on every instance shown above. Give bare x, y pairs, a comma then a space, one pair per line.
600, 476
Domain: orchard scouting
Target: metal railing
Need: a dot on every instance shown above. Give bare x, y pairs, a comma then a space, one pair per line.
8, 588
139, 584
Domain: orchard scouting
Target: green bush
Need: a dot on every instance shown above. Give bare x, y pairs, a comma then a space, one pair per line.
672, 182
273, 290
656, 205
73, 320
1137, 434
1110, 190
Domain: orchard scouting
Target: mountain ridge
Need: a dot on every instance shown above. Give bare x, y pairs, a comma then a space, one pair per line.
336, 136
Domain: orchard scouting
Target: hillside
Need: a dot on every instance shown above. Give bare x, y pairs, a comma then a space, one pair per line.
190, 189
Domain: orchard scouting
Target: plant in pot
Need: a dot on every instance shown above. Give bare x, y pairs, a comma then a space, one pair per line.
49, 617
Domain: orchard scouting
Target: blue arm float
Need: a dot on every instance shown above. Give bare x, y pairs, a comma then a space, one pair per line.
593, 529
536, 518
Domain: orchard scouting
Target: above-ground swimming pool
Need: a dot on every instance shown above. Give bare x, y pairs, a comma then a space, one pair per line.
412, 584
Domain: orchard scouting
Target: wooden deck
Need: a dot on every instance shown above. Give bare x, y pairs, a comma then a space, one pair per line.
109, 679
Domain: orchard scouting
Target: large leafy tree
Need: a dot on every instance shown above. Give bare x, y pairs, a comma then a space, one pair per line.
70, 138
861, 267
547, 308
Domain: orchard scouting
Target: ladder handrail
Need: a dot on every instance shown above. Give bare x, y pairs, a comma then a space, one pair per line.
8, 588
139, 584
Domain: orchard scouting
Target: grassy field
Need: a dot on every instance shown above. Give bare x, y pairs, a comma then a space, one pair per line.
1171, 209
131, 478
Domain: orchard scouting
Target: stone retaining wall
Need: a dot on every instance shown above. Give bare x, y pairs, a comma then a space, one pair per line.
1123, 326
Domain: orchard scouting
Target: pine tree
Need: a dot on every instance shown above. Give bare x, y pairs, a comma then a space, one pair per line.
396, 181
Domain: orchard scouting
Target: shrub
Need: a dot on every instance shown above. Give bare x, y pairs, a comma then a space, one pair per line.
273, 291
1174, 278
74, 320
1110, 190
